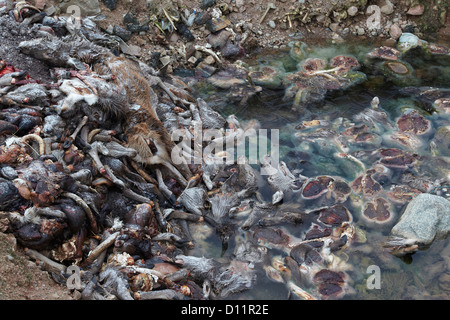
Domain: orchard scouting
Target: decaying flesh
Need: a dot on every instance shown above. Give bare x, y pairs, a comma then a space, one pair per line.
122, 114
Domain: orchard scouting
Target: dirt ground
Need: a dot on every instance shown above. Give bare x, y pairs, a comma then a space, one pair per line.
21, 278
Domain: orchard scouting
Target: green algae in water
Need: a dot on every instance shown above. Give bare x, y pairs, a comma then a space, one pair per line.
423, 276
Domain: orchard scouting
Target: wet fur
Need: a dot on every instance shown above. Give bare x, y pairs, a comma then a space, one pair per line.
143, 125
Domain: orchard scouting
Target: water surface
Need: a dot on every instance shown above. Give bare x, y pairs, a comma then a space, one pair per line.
420, 276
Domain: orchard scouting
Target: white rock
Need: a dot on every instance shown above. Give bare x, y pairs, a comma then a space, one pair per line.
192, 60
426, 218
352, 11
407, 41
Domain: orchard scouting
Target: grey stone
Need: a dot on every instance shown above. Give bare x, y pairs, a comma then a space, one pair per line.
232, 50
130, 49
218, 40
124, 34
110, 4
202, 17
425, 219
208, 3
217, 24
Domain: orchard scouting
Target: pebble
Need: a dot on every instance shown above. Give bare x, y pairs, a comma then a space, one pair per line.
239, 3
231, 50
202, 17
210, 60
416, 10
122, 33
208, 3
76, 295
217, 24
395, 31
132, 50
352, 11
336, 38
360, 31
192, 60
218, 40
272, 24
334, 26
165, 60
110, 4
390, 43
388, 8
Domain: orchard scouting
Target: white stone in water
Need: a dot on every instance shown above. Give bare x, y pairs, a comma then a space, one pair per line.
425, 219
407, 41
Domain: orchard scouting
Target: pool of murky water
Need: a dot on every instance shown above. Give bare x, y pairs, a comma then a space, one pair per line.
371, 271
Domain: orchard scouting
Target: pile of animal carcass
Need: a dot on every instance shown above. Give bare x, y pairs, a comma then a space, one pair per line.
86, 172
87, 178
